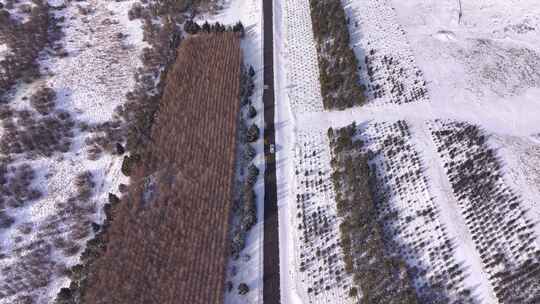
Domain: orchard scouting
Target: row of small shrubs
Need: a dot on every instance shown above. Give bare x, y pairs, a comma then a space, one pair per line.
94, 249
381, 278
191, 27
338, 65
245, 206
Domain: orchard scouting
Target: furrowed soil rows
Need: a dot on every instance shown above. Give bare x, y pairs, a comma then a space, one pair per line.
168, 239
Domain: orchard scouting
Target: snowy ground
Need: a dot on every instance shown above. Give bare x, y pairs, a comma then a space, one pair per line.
89, 83
479, 66
4, 49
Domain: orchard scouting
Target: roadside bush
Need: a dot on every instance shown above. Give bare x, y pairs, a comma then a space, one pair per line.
252, 112
243, 289
247, 84
249, 152
249, 209
253, 173
129, 164
253, 133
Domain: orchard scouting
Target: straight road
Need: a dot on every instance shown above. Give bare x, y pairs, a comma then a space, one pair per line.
271, 292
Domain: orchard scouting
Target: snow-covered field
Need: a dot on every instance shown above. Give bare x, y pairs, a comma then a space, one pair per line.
319, 269
413, 216
474, 62
302, 65
89, 83
387, 64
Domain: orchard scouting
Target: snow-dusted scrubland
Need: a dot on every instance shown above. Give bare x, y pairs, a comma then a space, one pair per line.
87, 89
53, 190
462, 68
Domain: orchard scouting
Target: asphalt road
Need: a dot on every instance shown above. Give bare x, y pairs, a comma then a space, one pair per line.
271, 292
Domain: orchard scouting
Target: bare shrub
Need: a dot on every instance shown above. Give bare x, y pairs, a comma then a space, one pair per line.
135, 12
16, 186
25, 40
5, 220
85, 185
43, 100
37, 136
25, 228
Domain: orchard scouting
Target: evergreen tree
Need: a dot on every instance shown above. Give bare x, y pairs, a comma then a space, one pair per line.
253, 133
252, 112
239, 28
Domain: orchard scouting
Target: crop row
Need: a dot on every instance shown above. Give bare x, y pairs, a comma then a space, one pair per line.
302, 64
381, 277
319, 256
409, 215
387, 66
338, 66
500, 228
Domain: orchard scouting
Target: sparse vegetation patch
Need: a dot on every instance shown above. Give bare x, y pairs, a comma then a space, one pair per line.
500, 227
338, 66
381, 277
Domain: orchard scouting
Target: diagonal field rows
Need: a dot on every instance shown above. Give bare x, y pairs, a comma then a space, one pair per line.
483, 263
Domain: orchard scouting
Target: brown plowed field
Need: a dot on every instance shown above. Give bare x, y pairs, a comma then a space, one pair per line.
168, 239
